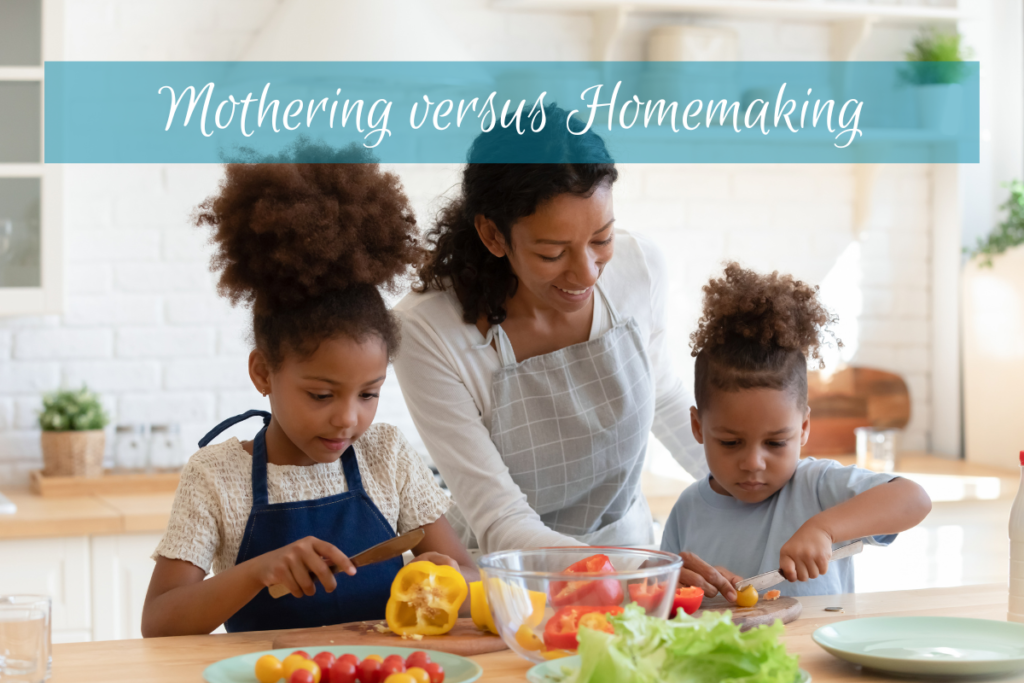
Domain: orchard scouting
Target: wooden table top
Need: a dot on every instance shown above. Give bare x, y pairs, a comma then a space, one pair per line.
182, 659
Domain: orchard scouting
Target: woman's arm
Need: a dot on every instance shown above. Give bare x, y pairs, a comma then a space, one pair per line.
451, 426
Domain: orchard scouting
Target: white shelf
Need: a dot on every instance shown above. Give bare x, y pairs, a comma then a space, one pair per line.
851, 22
810, 10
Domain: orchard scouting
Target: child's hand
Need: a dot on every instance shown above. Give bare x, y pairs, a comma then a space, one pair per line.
438, 558
293, 565
712, 580
806, 554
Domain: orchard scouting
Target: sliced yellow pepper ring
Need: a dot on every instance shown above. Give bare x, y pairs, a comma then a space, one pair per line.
515, 598
425, 599
528, 640
556, 654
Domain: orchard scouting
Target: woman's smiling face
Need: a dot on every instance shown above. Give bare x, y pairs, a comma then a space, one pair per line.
559, 251
752, 440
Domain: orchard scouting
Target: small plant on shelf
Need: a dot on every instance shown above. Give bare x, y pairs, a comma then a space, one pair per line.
72, 441
72, 411
936, 58
1009, 233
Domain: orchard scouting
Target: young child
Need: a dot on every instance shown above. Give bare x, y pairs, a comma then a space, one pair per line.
306, 246
762, 507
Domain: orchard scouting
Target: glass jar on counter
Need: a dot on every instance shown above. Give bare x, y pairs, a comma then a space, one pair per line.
165, 447
131, 447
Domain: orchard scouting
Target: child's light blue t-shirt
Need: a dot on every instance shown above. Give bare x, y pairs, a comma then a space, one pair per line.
746, 538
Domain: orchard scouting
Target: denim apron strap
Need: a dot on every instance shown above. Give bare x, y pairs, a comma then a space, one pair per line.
232, 421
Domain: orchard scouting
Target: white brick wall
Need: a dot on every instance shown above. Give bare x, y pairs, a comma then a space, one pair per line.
143, 324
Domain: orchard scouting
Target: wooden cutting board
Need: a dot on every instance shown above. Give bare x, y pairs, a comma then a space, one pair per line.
465, 639
764, 612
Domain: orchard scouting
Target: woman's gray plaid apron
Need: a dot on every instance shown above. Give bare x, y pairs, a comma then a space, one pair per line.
572, 428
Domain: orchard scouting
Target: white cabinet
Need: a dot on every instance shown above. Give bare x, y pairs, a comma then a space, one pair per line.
58, 567
98, 584
121, 569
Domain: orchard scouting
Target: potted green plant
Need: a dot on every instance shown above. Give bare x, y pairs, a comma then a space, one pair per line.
72, 441
1009, 233
936, 68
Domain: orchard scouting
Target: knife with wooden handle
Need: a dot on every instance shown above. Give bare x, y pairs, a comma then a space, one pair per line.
393, 547
769, 579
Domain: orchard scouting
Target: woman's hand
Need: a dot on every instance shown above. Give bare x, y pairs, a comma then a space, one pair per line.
712, 580
293, 565
805, 555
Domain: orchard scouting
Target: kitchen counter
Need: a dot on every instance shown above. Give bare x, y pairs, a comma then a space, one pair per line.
182, 659
39, 517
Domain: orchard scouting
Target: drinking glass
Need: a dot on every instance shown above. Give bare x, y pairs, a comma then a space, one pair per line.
876, 448
24, 638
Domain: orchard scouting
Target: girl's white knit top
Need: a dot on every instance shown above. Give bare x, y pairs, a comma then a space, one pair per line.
214, 498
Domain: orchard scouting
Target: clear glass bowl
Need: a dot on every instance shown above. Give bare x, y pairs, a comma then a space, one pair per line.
527, 588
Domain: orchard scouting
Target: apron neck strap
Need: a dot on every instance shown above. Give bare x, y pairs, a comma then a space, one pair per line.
232, 421
259, 469
353, 480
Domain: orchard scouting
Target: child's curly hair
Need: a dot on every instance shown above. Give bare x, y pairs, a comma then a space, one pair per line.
307, 245
757, 331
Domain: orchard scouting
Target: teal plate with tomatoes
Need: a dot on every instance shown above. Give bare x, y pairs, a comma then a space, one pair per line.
242, 669
558, 670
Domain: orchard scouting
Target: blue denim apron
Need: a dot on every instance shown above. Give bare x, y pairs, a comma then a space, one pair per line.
349, 520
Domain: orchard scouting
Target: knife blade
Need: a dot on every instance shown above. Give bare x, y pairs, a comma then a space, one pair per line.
769, 579
393, 547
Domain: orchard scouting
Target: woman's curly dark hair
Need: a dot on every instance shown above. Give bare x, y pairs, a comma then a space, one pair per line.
757, 331
504, 193
308, 245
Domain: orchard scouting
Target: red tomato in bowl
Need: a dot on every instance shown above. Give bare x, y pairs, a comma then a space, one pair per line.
688, 599
342, 671
418, 658
647, 595
593, 592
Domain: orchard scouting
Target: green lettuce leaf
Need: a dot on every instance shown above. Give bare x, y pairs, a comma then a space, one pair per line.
708, 649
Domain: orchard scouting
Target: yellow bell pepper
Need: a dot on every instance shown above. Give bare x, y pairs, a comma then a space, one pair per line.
481, 611
425, 599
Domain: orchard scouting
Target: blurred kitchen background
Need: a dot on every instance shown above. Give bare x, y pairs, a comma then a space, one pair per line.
104, 281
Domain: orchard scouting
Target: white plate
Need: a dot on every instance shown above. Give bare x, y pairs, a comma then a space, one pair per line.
241, 669
928, 646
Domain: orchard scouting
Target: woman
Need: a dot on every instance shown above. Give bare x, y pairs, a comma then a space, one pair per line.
534, 363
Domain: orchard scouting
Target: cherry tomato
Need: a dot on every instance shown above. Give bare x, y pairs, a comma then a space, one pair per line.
399, 678
746, 597
528, 640
324, 660
418, 674
369, 670
310, 666
418, 658
436, 672
301, 653
268, 669
290, 664
388, 668
395, 659
349, 658
376, 658
343, 671
301, 676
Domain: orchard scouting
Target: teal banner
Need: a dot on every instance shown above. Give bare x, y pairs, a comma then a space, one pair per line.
430, 112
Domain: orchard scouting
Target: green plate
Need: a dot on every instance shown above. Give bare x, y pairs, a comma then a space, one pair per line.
551, 672
929, 646
241, 669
